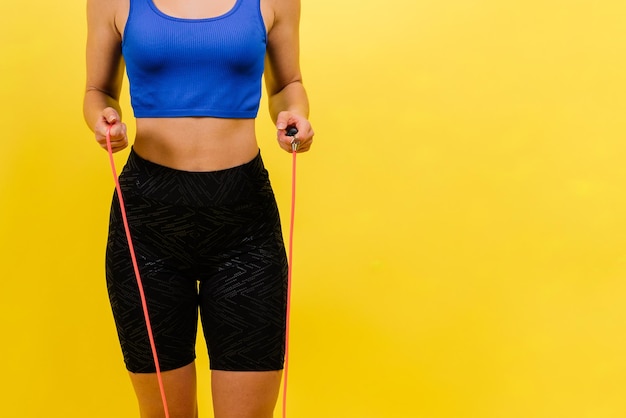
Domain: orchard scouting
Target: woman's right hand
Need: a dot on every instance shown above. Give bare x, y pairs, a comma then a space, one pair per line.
110, 118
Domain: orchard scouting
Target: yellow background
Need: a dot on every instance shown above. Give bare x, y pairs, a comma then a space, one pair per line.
461, 223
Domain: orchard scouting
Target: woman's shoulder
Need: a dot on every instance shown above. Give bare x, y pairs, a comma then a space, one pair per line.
282, 12
109, 12
281, 7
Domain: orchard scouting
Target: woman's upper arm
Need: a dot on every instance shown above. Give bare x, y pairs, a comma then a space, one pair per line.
283, 50
105, 67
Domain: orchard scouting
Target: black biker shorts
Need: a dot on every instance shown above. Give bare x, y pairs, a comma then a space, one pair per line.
204, 241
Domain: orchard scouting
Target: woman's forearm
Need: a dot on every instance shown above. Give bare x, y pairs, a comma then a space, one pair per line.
292, 98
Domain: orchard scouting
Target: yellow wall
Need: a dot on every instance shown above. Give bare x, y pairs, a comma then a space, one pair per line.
461, 228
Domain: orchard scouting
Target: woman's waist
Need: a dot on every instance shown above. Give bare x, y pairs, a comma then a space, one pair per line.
145, 181
196, 144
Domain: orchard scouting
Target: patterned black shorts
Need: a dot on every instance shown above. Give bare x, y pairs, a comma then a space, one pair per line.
208, 242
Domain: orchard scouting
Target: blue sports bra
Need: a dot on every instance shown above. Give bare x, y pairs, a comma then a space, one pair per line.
195, 67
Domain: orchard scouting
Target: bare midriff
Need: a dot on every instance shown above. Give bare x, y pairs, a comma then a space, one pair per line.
196, 144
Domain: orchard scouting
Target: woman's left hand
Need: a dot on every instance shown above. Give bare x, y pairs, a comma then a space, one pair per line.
287, 119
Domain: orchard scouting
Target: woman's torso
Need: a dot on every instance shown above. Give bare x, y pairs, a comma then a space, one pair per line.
194, 143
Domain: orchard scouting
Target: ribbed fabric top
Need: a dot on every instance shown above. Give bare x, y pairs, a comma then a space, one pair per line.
195, 67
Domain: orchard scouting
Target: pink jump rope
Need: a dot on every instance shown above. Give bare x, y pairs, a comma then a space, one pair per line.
291, 131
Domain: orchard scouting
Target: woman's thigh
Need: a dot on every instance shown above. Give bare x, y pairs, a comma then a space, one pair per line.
243, 291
